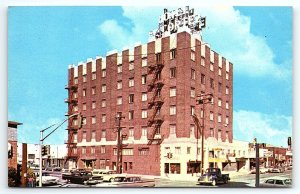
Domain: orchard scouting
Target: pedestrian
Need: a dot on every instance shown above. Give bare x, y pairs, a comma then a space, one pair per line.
30, 181
34, 180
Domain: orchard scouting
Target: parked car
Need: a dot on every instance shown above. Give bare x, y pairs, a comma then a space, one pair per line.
128, 181
79, 177
277, 170
108, 175
66, 174
277, 182
213, 176
47, 179
262, 170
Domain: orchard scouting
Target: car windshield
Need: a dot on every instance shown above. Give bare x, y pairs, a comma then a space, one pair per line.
288, 181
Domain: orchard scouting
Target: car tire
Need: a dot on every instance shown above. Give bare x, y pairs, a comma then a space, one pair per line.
225, 181
214, 183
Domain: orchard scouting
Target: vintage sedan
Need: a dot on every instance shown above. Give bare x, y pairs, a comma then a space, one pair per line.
277, 182
47, 179
128, 181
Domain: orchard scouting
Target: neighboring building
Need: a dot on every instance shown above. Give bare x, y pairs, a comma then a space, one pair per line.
155, 86
12, 143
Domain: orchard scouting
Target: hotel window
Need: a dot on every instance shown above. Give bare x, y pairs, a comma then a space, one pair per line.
227, 135
177, 150
227, 105
227, 90
104, 73
212, 100
84, 135
193, 92
211, 116
172, 53
188, 150
119, 100
127, 151
119, 84
220, 71
219, 118
103, 103
211, 132
130, 165
93, 104
83, 150
172, 91
144, 79
227, 75
144, 97
219, 102
131, 82
83, 120
93, 135
94, 75
103, 118
172, 110
202, 78
75, 80
131, 132
102, 149
75, 137
158, 57
103, 88
219, 134
84, 106
103, 134
93, 90
158, 131
130, 115
93, 119
212, 83
119, 68
131, 66
201, 113
193, 55
144, 62
193, 74
192, 110
144, 151
74, 150
173, 129
75, 122
131, 98
144, 114
75, 95
84, 78
227, 120
93, 150
84, 92
202, 61
144, 131
220, 87
211, 67
172, 72
75, 108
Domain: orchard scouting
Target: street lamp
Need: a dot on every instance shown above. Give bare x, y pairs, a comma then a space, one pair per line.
204, 99
42, 141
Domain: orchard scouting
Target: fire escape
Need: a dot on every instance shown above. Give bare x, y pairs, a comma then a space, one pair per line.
155, 103
73, 124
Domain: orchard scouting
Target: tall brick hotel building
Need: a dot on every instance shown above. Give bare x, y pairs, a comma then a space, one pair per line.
155, 87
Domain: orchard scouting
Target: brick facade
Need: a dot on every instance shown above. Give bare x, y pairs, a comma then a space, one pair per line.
184, 81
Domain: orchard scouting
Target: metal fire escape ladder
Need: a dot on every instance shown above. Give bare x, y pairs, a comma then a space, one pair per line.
155, 103
71, 127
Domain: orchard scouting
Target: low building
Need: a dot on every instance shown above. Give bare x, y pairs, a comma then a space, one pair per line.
12, 143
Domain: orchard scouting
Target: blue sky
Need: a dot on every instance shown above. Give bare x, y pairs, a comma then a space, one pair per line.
43, 41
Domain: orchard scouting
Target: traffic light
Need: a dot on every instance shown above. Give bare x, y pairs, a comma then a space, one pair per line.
44, 150
169, 155
289, 141
80, 121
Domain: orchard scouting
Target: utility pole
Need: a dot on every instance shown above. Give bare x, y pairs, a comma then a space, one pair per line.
256, 163
119, 142
204, 99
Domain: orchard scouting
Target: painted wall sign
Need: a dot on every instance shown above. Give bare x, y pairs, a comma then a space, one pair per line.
178, 20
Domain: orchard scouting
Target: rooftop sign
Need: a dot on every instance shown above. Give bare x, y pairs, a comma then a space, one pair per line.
178, 20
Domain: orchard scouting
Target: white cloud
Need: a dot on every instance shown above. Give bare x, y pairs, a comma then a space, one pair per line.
273, 129
227, 31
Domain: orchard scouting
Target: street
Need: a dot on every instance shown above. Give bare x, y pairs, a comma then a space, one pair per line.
242, 181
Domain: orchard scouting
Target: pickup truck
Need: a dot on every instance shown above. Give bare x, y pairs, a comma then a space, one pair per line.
213, 176
80, 177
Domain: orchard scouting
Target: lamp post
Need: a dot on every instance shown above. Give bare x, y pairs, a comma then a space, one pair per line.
204, 99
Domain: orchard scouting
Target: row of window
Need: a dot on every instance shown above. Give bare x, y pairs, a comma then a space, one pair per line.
178, 150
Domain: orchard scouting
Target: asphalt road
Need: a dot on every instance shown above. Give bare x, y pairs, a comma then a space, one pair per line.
242, 181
